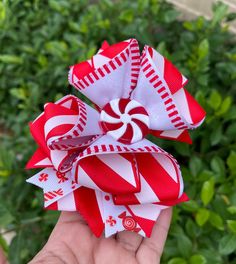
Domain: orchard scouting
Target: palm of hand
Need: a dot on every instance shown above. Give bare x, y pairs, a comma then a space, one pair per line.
72, 242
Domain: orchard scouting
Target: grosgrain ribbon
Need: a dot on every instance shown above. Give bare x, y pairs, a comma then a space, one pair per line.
98, 162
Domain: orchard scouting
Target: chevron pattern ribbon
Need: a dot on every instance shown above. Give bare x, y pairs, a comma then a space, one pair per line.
97, 160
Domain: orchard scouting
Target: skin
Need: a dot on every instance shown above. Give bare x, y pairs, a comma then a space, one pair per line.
71, 242
2, 257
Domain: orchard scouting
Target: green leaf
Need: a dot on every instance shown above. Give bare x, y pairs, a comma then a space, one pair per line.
170, 16
59, 6
231, 225
207, 191
91, 52
225, 106
231, 162
42, 60
227, 244
192, 229
2, 11
205, 175
104, 24
220, 12
195, 165
231, 131
202, 216
6, 159
218, 166
190, 206
56, 48
55, 5
19, 93
197, 259
3, 243
216, 135
10, 59
142, 5
15, 248
127, 15
4, 173
189, 25
182, 149
216, 221
83, 27
162, 49
185, 246
200, 22
177, 261
215, 100
231, 209
203, 49
5, 215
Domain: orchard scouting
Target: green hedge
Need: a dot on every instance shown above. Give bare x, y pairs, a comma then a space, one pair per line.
40, 39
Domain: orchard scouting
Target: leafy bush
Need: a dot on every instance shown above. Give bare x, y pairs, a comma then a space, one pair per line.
39, 40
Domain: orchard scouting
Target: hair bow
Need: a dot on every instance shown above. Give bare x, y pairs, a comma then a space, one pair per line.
97, 160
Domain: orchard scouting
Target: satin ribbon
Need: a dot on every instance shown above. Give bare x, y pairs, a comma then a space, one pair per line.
97, 160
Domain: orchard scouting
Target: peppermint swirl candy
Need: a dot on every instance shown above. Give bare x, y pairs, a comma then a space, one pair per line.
129, 223
125, 120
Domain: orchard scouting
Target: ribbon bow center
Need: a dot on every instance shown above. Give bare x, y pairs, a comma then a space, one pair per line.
126, 120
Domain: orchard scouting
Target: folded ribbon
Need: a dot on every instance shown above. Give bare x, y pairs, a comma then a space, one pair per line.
98, 162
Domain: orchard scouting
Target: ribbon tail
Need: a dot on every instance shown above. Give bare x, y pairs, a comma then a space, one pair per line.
178, 135
86, 202
116, 218
183, 198
39, 160
55, 185
146, 215
41, 178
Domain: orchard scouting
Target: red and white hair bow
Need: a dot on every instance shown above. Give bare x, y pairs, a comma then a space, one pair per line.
97, 161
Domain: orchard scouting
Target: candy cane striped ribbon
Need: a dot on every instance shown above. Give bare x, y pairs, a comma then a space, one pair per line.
98, 162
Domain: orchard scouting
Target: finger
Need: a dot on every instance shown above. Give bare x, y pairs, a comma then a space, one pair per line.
129, 240
74, 221
71, 217
3, 259
160, 231
71, 236
69, 225
153, 246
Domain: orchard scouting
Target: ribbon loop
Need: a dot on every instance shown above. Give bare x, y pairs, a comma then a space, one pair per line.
62, 131
111, 73
153, 190
160, 90
67, 125
114, 173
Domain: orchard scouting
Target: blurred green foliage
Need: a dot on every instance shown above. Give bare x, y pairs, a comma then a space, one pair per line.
40, 39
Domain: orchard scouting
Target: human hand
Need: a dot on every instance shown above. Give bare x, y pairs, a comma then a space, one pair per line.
72, 242
3, 259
